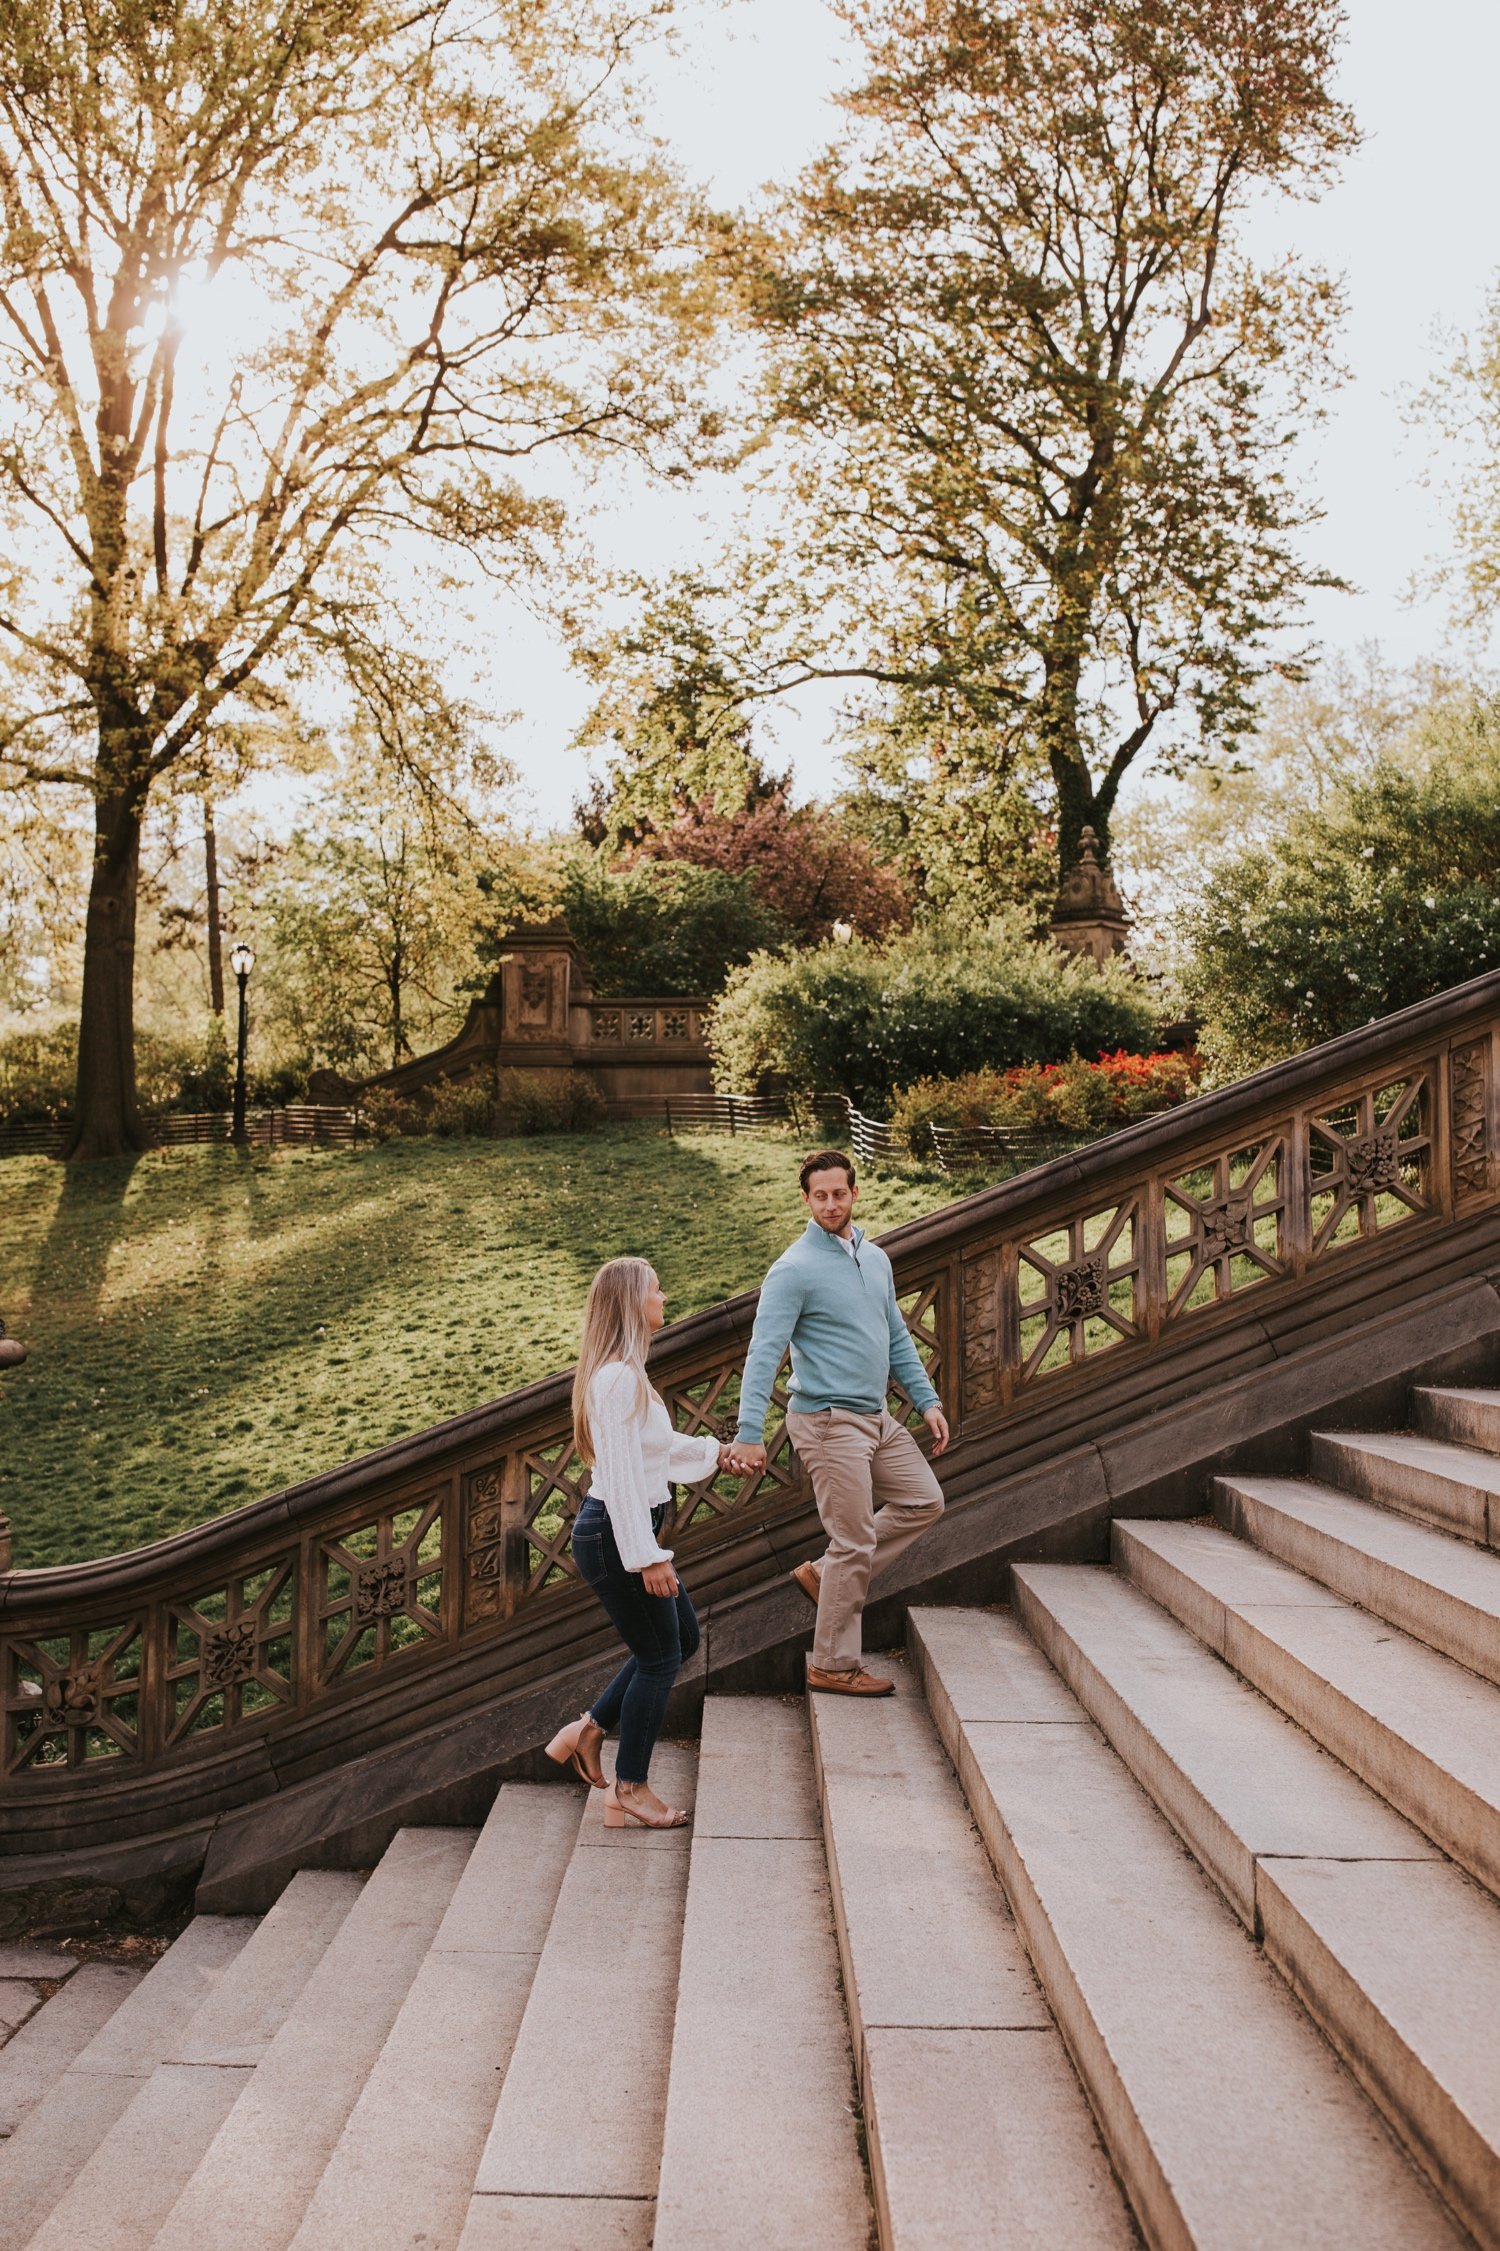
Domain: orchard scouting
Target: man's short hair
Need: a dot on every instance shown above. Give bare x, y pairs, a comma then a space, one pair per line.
825, 1160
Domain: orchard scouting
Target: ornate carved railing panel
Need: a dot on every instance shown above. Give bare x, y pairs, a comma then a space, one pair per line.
1016, 1298
671, 1025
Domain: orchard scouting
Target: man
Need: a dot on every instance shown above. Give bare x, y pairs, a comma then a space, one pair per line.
832, 1298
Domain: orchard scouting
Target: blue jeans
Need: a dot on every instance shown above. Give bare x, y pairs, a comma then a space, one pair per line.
659, 1630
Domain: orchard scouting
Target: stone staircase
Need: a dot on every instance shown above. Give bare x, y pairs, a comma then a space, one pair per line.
1158, 1906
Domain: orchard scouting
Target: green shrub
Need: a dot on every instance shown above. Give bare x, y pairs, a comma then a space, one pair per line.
447, 1108
1352, 913
550, 1102
1072, 1099
866, 1019
666, 927
37, 1071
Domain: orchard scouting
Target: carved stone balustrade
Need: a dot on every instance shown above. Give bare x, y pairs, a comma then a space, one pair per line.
321, 1622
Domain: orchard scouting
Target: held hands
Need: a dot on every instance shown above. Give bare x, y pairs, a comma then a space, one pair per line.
742, 1461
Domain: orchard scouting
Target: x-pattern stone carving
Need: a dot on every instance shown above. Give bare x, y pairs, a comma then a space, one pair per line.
381, 1586
920, 1309
1365, 1154
556, 1486
607, 1024
72, 1698
1225, 1219
1079, 1288
229, 1650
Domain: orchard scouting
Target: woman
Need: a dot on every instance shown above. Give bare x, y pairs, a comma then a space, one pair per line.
624, 1432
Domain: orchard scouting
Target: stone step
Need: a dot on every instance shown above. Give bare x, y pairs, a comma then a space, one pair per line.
60, 2133
47, 2043
255, 2179
760, 2150
401, 2174
119, 2198
1466, 1417
979, 2133
1453, 1487
573, 2154
1437, 1588
1418, 1728
1394, 1951
1229, 2118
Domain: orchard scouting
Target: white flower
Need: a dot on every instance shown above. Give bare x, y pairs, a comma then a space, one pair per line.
1429, 903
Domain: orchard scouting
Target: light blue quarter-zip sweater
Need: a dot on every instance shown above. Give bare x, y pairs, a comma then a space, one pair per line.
840, 1317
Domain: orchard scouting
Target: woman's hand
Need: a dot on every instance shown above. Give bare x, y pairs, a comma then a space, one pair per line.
659, 1578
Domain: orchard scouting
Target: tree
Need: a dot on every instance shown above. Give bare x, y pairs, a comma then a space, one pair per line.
672, 716
1379, 898
1040, 397
961, 812
1314, 740
809, 865
372, 906
440, 265
665, 927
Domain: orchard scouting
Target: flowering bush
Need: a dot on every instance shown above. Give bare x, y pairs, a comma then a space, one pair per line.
864, 1019
1073, 1098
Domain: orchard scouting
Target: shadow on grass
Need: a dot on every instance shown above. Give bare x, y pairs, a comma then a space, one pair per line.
311, 1309
84, 1231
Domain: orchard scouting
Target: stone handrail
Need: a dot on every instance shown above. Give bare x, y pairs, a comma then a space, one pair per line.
128, 1678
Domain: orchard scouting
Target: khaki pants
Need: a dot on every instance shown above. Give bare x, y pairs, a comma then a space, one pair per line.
875, 1492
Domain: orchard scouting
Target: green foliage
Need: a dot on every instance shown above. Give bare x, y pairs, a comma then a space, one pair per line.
36, 1074
1041, 392
664, 926
1073, 1100
670, 715
550, 1102
172, 1073
447, 1108
205, 1328
865, 1020
1388, 896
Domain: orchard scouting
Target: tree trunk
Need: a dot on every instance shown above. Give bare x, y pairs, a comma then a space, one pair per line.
215, 925
106, 1117
1077, 806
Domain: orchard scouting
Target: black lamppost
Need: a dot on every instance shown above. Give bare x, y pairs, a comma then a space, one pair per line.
241, 961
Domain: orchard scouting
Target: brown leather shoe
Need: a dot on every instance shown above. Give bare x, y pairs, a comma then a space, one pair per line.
809, 1577
857, 1683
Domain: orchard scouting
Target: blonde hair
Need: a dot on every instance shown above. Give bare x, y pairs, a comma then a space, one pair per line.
614, 1328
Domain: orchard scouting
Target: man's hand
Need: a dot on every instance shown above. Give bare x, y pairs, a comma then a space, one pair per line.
747, 1461
659, 1578
937, 1423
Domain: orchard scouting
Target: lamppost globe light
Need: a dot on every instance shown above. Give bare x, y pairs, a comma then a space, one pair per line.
242, 960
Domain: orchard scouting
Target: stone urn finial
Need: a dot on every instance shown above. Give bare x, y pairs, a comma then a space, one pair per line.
1089, 917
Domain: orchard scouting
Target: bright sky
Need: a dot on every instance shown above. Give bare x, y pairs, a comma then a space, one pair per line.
1414, 228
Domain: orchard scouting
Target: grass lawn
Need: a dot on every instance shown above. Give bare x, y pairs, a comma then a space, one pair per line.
204, 1328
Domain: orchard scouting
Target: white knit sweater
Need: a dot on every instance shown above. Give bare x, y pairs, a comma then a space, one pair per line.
636, 1458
